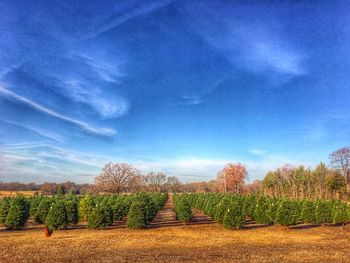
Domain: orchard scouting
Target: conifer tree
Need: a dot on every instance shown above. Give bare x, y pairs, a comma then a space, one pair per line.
323, 212
4, 209
260, 212
339, 213
234, 216
42, 211
287, 213
17, 214
308, 214
137, 215
57, 217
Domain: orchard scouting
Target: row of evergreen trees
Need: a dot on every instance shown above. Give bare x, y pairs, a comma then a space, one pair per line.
61, 210
182, 208
233, 210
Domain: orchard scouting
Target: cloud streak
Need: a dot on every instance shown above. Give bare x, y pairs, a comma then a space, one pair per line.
84, 126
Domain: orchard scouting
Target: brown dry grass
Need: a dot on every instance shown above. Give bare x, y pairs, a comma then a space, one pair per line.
191, 243
14, 193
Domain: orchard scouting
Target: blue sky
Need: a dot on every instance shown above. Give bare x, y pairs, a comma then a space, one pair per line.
181, 87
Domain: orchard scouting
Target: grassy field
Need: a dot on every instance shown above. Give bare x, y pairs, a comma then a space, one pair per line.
190, 243
14, 193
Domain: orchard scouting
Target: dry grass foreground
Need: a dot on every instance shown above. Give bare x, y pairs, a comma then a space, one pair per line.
190, 243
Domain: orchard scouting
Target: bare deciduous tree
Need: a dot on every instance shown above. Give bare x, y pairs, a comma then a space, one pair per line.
118, 177
340, 160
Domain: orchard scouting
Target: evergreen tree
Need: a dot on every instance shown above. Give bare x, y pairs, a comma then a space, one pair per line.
60, 190
86, 205
72, 211
323, 212
272, 210
17, 214
308, 214
260, 212
57, 217
234, 216
221, 210
249, 206
98, 219
287, 213
42, 211
137, 215
339, 213
120, 208
183, 210
4, 209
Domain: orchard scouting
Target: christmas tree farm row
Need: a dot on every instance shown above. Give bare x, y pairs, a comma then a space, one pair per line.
59, 211
234, 211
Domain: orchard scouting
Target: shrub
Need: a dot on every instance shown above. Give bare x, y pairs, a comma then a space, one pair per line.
308, 214
34, 204
339, 213
98, 219
249, 206
272, 210
183, 209
42, 211
72, 211
137, 215
287, 213
323, 212
4, 209
221, 210
17, 214
234, 216
57, 217
120, 208
260, 212
86, 205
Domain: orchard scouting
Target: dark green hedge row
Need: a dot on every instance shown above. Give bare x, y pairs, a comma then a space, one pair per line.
59, 211
182, 207
233, 210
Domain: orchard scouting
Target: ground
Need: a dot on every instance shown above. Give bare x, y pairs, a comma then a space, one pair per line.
168, 240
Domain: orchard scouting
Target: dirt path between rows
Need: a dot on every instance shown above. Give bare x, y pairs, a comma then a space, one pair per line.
167, 217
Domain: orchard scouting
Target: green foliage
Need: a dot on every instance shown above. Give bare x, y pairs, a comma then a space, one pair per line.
272, 209
260, 215
72, 211
323, 212
99, 218
86, 206
4, 209
249, 206
221, 210
339, 213
120, 208
17, 214
42, 211
137, 215
308, 214
235, 215
60, 190
287, 213
57, 217
182, 209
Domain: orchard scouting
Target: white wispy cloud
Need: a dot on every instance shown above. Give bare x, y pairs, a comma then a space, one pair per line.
118, 18
257, 152
259, 46
98, 131
44, 133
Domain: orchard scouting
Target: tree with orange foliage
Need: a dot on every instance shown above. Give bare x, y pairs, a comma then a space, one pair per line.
231, 178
